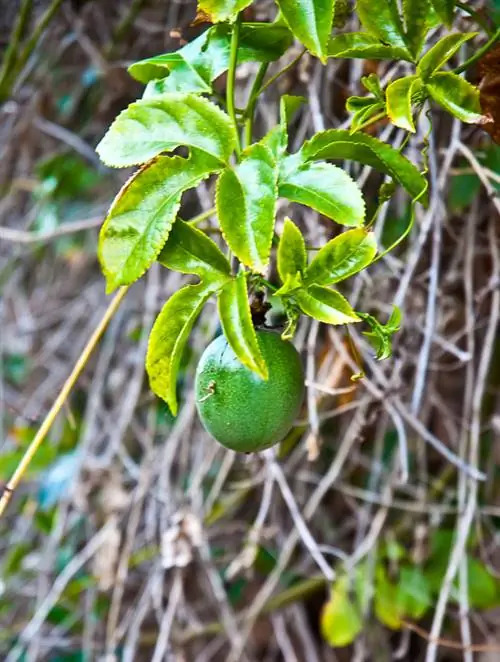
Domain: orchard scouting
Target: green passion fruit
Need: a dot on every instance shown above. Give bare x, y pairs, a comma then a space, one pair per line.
238, 408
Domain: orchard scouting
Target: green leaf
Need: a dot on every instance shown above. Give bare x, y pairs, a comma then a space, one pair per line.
148, 127
381, 19
441, 52
444, 9
380, 336
310, 21
140, 218
323, 187
385, 600
363, 45
340, 618
340, 144
246, 201
457, 96
416, 15
326, 305
483, 587
363, 116
196, 65
342, 257
222, 10
236, 320
398, 101
168, 338
190, 251
277, 138
292, 256
413, 594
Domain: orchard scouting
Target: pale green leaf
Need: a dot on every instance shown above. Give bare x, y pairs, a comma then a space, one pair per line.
168, 339
310, 21
363, 45
326, 305
413, 593
444, 9
223, 10
457, 96
291, 283
236, 320
292, 256
416, 18
190, 251
399, 101
340, 618
340, 144
148, 127
246, 202
140, 218
381, 19
342, 257
441, 52
385, 601
325, 188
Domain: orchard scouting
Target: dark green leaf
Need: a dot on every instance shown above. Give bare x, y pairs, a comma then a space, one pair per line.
292, 256
441, 52
246, 202
323, 187
381, 19
463, 189
148, 127
326, 305
457, 96
169, 336
399, 101
413, 596
342, 257
444, 9
140, 218
222, 10
196, 65
363, 45
190, 251
483, 586
340, 144
340, 618
310, 21
415, 14
236, 320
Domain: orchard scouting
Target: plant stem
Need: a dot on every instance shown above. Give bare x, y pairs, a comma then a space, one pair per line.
479, 53
476, 16
252, 102
11, 53
231, 79
203, 216
61, 399
281, 72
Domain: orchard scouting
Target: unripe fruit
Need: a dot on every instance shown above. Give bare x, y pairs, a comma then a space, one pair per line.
240, 409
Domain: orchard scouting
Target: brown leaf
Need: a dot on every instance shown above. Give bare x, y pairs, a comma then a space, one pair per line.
489, 89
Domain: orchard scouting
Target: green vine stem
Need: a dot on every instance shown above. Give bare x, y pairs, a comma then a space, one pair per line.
479, 53
231, 80
11, 53
252, 102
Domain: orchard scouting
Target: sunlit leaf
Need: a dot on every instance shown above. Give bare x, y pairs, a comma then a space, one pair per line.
457, 96
326, 305
310, 21
246, 202
399, 101
342, 257
444, 9
364, 45
441, 52
292, 256
148, 127
340, 618
385, 600
140, 218
381, 19
236, 320
222, 10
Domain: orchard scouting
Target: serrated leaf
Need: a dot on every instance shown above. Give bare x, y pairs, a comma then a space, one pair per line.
413, 593
381, 19
168, 338
196, 65
444, 9
340, 618
440, 53
326, 305
342, 257
246, 202
398, 101
140, 218
416, 15
222, 10
340, 144
148, 127
310, 21
292, 256
364, 45
236, 320
457, 96
323, 187
190, 251
363, 116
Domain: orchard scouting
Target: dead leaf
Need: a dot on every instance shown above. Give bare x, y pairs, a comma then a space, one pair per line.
489, 90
